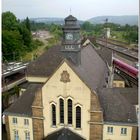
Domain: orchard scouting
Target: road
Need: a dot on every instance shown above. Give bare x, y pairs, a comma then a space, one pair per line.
43, 36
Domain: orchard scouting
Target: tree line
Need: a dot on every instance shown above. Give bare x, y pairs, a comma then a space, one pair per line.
16, 37
126, 32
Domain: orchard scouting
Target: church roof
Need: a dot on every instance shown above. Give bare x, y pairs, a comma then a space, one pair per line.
116, 107
105, 53
23, 105
46, 64
92, 69
70, 18
64, 134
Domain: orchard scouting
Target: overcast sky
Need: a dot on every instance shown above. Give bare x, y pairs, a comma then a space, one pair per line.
82, 9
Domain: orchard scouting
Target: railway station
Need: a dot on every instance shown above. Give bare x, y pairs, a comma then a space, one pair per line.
76, 91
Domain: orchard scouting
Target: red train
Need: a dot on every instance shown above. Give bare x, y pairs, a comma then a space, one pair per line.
132, 71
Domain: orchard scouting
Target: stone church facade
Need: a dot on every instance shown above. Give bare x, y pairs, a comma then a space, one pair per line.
68, 96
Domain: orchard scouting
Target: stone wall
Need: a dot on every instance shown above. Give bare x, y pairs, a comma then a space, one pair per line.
37, 111
134, 133
38, 133
7, 127
96, 131
96, 119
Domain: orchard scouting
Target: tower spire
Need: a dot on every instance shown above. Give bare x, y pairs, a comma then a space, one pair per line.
70, 11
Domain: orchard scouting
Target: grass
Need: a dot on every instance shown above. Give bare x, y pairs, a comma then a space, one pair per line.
119, 36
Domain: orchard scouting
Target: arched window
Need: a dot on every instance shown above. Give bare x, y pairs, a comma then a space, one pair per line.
53, 114
69, 111
78, 117
61, 103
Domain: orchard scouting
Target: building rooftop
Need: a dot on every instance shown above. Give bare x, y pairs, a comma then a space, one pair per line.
92, 69
116, 107
70, 18
104, 53
22, 106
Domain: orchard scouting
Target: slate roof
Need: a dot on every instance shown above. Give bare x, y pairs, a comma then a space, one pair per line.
24, 85
64, 134
131, 94
104, 53
92, 69
116, 108
23, 105
46, 64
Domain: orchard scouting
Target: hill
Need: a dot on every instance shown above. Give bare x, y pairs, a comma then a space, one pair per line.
50, 20
122, 20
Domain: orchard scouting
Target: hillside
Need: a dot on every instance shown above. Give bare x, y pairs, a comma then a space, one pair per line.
50, 20
122, 20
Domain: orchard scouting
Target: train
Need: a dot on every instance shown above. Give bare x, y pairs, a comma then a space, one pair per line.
132, 71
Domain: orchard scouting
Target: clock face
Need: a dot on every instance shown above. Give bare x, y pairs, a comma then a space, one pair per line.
69, 36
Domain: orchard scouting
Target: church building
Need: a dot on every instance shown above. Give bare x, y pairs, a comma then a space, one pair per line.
68, 97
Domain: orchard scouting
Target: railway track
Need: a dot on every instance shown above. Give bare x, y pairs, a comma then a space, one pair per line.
118, 48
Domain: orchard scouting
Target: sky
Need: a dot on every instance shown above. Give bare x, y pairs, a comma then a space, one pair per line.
82, 9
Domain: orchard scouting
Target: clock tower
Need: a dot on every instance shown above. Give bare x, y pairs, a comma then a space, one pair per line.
71, 43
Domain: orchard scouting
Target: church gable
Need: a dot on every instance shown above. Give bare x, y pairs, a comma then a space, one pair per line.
66, 85
64, 76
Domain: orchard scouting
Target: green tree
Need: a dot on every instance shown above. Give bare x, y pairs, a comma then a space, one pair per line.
87, 26
9, 21
27, 23
12, 45
26, 36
